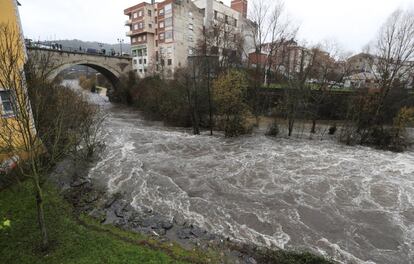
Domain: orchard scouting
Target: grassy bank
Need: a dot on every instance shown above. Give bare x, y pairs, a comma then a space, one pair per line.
81, 239
75, 240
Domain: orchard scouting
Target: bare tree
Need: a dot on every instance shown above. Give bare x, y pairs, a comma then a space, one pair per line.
395, 54
328, 68
18, 133
272, 30
44, 122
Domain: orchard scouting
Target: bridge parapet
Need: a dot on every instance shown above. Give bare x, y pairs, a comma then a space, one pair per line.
112, 67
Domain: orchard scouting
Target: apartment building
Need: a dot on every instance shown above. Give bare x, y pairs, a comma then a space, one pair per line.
287, 57
12, 138
164, 34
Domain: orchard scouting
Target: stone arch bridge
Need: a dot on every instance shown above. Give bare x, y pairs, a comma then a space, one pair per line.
112, 67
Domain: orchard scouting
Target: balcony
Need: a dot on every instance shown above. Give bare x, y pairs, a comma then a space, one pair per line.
128, 22
129, 33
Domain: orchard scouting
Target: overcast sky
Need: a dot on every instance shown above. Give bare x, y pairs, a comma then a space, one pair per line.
352, 23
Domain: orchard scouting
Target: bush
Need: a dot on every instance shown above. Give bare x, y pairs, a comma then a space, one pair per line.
332, 129
273, 129
65, 120
88, 84
229, 94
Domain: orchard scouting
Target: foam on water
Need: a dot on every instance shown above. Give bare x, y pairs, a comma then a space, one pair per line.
354, 204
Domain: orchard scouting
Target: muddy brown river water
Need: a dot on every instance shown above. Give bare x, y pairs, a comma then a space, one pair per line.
354, 204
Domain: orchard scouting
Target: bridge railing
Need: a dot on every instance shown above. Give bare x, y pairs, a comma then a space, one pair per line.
59, 47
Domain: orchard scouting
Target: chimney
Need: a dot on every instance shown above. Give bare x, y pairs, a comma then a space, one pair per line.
240, 6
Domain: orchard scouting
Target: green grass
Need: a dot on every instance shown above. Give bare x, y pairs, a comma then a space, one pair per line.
82, 240
74, 240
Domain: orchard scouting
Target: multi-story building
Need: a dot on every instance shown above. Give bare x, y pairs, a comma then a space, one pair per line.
284, 57
164, 34
12, 87
363, 63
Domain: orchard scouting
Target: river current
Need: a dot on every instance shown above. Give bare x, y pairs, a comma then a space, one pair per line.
353, 204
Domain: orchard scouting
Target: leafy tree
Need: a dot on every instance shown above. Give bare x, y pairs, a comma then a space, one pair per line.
229, 94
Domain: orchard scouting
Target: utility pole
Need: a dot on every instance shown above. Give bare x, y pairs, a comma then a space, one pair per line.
120, 40
209, 96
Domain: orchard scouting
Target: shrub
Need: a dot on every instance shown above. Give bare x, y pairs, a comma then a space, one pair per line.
65, 120
332, 129
273, 129
229, 94
88, 84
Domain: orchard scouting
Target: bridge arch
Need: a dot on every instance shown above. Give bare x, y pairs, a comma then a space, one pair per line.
111, 67
110, 74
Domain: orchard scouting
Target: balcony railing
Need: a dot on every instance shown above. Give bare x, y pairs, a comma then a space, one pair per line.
129, 33
128, 22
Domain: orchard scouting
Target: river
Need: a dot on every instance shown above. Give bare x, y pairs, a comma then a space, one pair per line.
354, 204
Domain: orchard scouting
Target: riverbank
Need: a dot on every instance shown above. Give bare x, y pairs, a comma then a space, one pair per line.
90, 200
74, 238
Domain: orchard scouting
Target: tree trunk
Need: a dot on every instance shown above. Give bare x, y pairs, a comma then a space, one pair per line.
290, 126
41, 216
313, 130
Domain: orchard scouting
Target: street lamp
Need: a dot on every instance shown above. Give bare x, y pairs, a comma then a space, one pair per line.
120, 40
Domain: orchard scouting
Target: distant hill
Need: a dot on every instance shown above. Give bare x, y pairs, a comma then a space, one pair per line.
76, 43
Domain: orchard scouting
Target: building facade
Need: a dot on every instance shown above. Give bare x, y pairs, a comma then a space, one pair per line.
284, 57
12, 49
164, 34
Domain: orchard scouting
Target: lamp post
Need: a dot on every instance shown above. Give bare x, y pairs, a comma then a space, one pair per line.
120, 40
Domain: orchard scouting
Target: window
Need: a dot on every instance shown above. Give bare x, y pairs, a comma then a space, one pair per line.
140, 61
215, 14
135, 26
190, 14
190, 38
6, 106
144, 52
161, 25
141, 25
134, 40
135, 15
167, 8
169, 61
190, 27
190, 51
149, 13
139, 53
168, 22
161, 36
161, 12
149, 25
140, 13
145, 61
168, 35
135, 61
